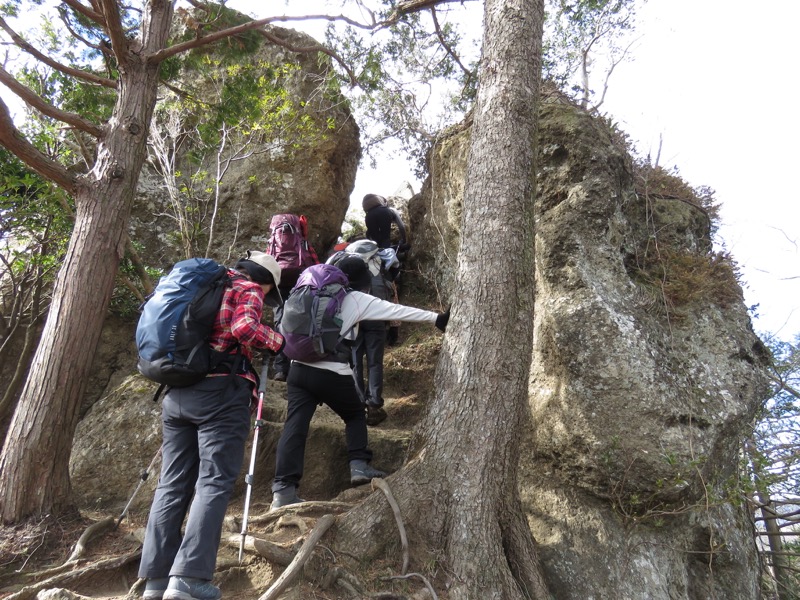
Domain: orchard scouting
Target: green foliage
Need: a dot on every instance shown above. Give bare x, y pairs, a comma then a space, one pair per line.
777, 429
35, 225
129, 293
772, 464
218, 109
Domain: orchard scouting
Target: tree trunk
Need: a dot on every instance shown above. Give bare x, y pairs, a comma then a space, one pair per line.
777, 560
44, 423
461, 487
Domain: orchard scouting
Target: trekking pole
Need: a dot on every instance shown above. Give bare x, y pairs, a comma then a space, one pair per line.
143, 477
262, 388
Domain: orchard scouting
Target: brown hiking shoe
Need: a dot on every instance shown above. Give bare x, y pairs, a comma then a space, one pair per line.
375, 415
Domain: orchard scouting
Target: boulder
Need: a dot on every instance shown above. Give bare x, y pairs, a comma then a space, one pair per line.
644, 374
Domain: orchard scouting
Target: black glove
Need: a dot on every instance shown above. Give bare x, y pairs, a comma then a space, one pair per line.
442, 319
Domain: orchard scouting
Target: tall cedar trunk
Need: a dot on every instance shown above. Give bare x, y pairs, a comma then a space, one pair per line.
34, 466
460, 494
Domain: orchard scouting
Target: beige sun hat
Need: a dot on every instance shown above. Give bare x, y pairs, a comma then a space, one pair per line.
258, 263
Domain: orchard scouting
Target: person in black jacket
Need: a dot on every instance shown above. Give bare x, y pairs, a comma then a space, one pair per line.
379, 219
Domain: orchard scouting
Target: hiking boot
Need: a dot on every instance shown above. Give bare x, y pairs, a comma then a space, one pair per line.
279, 376
362, 472
154, 588
285, 497
189, 588
375, 415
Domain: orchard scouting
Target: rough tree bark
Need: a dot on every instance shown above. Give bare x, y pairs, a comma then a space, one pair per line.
47, 415
459, 493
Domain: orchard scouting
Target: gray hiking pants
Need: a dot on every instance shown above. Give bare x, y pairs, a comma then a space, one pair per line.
204, 431
371, 343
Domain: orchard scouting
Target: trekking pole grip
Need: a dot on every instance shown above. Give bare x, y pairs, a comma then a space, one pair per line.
262, 382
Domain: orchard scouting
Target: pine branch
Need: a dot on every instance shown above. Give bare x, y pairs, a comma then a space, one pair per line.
78, 73
90, 14
12, 138
33, 99
244, 27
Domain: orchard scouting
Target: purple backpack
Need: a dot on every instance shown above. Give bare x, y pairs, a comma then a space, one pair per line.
311, 322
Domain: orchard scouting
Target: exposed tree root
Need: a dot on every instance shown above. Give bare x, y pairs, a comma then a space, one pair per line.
427, 583
88, 535
384, 487
300, 509
29, 591
296, 565
272, 552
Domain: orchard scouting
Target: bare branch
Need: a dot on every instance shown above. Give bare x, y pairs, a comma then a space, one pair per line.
104, 48
412, 6
78, 73
610, 71
37, 102
447, 47
232, 31
314, 48
11, 138
86, 12
119, 43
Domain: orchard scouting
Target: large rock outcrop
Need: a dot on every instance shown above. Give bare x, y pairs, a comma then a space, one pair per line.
644, 374
304, 159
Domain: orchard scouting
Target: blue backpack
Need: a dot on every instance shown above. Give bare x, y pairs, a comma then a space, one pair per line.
176, 323
311, 323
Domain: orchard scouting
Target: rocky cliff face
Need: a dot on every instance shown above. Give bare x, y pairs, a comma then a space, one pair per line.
645, 370
304, 163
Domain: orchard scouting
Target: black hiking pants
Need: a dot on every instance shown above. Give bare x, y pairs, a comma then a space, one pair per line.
309, 387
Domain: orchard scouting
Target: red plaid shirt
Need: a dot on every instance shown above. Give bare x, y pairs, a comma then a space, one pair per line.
239, 321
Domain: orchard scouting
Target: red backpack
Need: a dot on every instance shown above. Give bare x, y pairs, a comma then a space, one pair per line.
289, 245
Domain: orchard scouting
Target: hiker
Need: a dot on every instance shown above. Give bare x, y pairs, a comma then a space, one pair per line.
280, 362
379, 217
204, 429
288, 243
371, 340
330, 381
